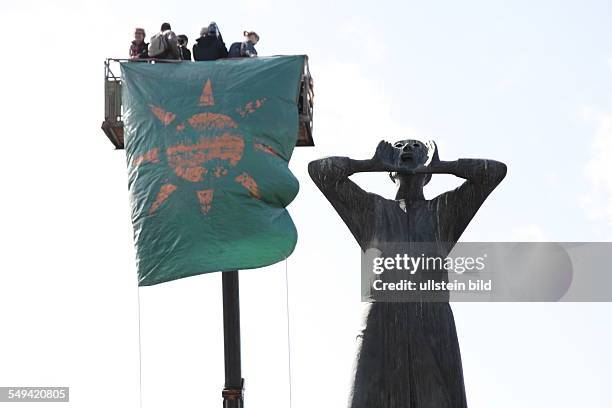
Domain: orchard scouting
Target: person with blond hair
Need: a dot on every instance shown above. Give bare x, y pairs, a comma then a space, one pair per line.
139, 48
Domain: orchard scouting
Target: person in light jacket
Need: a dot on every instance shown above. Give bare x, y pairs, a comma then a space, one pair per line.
164, 45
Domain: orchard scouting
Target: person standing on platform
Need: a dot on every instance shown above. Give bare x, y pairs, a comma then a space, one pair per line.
184, 52
139, 48
210, 45
164, 45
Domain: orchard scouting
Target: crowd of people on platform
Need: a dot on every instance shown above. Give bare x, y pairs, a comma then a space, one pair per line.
166, 45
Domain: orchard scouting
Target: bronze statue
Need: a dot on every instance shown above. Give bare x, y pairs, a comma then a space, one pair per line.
409, 354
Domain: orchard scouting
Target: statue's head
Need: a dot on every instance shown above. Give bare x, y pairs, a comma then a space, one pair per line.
411, 154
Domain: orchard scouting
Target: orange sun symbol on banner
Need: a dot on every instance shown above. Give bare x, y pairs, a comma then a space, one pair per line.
216, 153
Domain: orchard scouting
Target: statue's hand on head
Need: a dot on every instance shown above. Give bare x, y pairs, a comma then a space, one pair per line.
433, 161
432, 148
386, 157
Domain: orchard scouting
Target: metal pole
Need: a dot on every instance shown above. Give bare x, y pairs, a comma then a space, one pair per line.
234, 383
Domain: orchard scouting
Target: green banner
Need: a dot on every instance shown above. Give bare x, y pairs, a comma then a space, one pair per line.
208, 146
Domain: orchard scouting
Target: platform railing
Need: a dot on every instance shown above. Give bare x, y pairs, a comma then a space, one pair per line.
113, 120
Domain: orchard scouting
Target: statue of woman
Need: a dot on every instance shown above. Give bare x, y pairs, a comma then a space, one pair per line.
409, 353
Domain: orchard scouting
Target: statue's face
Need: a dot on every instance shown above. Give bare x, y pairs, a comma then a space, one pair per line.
412, 153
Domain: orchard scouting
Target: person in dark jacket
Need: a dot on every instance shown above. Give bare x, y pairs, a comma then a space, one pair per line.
245, 49
139, 48
184, 52
210, 45
248, 47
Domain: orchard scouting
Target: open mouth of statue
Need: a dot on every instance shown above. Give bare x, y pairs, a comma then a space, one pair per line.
407, 157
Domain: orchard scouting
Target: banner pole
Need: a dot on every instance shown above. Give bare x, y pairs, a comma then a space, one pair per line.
234, 383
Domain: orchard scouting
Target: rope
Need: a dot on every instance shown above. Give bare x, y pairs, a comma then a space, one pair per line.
288, 336
288, 342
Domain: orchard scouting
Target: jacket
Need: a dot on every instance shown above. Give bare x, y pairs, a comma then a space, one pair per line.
171, 51
139, 50
184, 53
247, 49
209, 48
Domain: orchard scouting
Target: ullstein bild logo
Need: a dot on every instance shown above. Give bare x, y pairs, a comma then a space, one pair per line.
492, 272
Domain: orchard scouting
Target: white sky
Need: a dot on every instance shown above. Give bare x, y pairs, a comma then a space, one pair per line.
524, 82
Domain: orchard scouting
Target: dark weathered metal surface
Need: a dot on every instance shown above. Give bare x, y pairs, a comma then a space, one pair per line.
114, 132
232, 392
409, 353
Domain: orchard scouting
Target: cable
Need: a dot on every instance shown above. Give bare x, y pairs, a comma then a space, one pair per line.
139, 355
288, 336
288, 343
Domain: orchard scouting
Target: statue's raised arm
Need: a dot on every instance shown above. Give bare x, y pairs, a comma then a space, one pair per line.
353, 204
458, 207
410, 164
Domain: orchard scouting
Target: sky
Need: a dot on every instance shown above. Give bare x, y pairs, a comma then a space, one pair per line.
524, 82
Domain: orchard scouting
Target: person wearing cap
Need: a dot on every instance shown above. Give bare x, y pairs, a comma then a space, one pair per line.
139, 48
184, 52
210, 45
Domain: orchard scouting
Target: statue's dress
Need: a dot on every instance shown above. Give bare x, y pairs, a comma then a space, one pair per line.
409, 353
